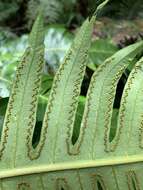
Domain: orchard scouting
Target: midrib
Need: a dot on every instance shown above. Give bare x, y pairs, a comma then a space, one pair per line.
77, 165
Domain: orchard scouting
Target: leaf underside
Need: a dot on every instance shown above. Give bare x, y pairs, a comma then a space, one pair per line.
93, 161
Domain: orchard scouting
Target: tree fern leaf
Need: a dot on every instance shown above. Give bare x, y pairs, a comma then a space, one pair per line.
23, 101
93, 162
130, 116
96, 123
64, 97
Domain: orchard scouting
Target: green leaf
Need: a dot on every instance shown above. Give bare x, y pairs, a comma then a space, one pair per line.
23, 101
114, 122
78, 118
3, 106
131, 114
94, 161
100, 50
46, 84
63, 99
99, 105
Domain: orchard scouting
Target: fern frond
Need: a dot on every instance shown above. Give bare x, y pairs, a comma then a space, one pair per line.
93, 161
97, 117
64, 94
23, 100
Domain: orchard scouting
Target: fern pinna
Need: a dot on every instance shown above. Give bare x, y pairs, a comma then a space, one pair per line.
94, 161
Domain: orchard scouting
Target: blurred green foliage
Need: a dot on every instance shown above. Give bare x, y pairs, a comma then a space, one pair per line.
20, 14
7, 9
60, 11
125, 9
